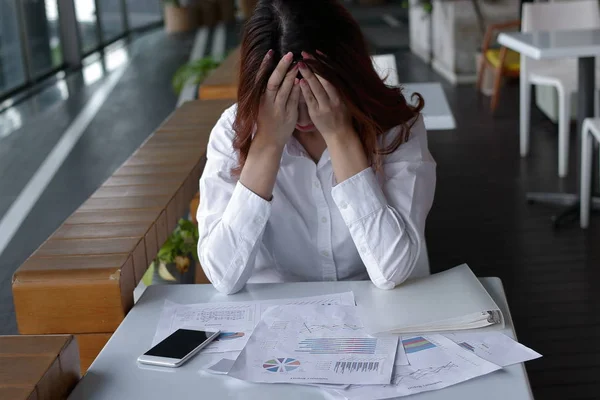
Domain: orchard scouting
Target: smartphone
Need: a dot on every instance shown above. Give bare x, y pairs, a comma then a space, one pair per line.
179, 347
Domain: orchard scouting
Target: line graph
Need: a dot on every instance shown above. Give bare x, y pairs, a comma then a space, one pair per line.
308, 328
423, 373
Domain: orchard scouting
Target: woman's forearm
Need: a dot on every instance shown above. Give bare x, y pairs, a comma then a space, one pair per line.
261, 167
348, 157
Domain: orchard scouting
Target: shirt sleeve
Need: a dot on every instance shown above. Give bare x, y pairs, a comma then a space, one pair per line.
387, 220
231, 218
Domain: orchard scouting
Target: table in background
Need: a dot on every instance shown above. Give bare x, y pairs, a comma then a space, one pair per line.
583, 45
436, 114
116, 375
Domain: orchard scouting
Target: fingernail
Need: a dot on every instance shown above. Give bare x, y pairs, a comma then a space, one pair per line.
301, 65
270, 53
296, 81
289, 56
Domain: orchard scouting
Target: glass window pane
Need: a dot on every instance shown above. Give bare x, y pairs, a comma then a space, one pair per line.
88, 24
12, 73
41, 20
111, 19
143, 12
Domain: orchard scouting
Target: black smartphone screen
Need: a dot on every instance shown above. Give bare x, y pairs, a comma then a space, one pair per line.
179, 344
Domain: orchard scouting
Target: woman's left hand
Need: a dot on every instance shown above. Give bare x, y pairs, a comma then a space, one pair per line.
325, 107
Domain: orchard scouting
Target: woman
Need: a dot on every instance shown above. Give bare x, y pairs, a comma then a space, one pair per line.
320, 172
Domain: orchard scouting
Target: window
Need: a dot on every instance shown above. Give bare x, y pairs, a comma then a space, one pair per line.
144, 12
42, 24
111, 19
12, 72
88, 24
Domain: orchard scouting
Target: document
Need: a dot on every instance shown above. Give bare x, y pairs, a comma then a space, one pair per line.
436, 362
235, 320
315, 345
448, 301
494, 347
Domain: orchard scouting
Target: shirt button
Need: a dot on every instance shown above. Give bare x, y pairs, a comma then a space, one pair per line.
325, 253
324, 220
343, 205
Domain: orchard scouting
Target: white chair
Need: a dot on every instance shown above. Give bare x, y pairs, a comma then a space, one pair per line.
590, 131
561, 73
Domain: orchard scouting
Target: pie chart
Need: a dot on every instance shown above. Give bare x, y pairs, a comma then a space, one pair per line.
281, 364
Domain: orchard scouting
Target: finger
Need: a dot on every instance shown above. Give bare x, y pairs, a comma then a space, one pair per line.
286, 87
294, 98
309, 97
264, 65
329, 88
279, 74
315, 86
306, 55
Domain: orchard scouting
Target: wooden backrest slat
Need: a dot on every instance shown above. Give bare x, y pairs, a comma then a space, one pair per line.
81, 279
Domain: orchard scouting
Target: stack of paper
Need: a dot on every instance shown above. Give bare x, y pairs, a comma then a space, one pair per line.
326, 341
449, 301
315, 344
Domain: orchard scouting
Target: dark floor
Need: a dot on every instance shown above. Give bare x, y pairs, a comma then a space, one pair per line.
480, 216
552, 278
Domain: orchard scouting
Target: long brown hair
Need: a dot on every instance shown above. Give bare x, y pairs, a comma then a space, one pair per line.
327, 31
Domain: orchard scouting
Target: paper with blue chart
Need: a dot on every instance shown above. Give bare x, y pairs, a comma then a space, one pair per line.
315, 344
435, 361
235, 320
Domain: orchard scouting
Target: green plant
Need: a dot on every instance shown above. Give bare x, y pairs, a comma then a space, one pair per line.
182, 244
196, 70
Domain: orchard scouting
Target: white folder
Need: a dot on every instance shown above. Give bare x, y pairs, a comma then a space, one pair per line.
452, 300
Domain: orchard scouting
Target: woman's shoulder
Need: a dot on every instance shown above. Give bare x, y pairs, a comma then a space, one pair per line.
415, 148
222, 134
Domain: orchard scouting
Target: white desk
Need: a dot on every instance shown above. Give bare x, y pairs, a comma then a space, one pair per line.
557, 44
115, 375
581, 44
437, 114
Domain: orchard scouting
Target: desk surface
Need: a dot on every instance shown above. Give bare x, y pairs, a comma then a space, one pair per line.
116, 375
558, 44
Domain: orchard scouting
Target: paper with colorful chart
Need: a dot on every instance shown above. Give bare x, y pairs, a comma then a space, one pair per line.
235, 320
315, 344
435, 361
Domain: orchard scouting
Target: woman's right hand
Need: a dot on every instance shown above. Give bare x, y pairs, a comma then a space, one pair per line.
278, 110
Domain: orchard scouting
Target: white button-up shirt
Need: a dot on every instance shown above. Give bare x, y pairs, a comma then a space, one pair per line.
368, 226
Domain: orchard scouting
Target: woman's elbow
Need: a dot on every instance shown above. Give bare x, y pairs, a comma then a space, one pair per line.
213, 269
402, 266
227, 288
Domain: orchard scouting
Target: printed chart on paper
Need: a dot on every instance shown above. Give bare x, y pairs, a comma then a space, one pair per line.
317, 345
235, 320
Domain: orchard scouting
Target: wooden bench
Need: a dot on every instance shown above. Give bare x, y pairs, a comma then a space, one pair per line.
222, 83
81, 280
38, 367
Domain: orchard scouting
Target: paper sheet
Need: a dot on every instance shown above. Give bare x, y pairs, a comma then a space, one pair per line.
494, 347
235, 320
315, 344
436, 362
